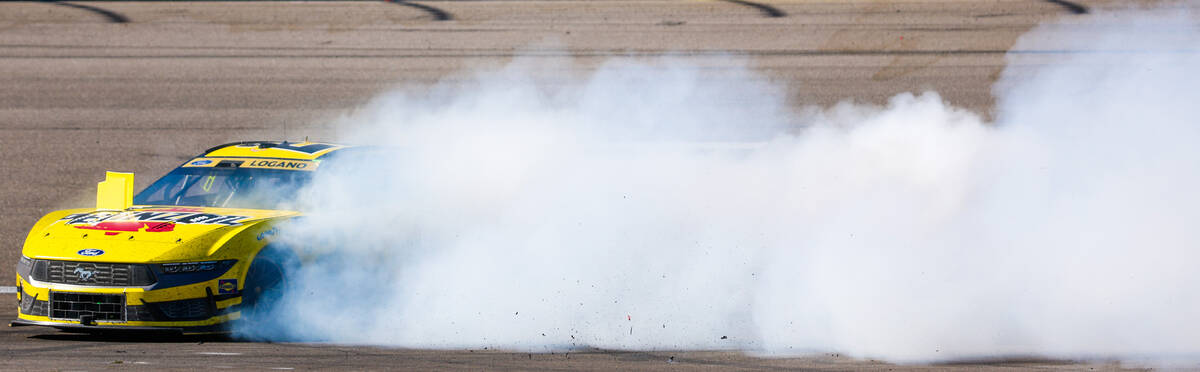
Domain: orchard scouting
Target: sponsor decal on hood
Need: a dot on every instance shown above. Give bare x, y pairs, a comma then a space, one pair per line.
131, 226
147, 220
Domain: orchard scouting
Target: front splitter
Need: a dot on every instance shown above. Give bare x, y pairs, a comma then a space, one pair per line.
71, 327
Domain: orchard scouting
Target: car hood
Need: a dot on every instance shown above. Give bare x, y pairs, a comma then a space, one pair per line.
141, 233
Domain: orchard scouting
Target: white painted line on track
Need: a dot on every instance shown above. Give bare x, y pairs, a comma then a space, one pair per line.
8, 289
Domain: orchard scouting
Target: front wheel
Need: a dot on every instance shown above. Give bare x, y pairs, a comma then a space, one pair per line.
262, 295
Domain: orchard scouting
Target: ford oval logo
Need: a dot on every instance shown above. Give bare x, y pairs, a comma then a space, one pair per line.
201, 162
90, 252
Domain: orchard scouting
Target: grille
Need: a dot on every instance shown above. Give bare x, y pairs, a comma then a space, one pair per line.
138, 313
93, 273
30, 305
185, 309
102, 307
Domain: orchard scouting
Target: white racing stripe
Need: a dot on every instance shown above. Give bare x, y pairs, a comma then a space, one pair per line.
8, 289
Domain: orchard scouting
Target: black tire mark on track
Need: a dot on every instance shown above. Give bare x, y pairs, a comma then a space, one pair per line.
767, 10
112, 16
438, 14
1074, 8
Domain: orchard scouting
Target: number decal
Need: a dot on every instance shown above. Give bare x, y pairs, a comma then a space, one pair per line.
208, 182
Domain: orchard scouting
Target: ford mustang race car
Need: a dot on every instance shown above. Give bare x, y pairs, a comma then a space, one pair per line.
191, 253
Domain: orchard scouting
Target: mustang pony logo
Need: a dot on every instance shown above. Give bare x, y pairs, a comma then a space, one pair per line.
84, 275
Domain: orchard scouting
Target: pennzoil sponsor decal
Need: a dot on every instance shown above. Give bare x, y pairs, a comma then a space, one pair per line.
147, 220
225, 286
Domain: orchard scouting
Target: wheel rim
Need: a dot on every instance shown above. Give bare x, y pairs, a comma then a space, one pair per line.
264, 283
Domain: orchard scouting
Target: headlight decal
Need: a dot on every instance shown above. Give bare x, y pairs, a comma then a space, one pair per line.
25, 268
184, 273
189, 267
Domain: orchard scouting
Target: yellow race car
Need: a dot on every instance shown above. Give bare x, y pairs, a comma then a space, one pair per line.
190, 254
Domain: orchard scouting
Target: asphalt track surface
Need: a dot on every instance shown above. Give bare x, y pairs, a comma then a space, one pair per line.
141, 86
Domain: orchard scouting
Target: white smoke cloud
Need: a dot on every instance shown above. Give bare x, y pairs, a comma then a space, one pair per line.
655, 205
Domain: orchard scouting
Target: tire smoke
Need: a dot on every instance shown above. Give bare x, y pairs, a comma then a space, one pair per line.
654, 204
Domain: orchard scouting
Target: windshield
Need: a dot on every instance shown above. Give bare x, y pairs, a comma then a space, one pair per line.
229, 187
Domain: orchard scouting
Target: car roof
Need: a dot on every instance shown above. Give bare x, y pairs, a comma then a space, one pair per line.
304, 150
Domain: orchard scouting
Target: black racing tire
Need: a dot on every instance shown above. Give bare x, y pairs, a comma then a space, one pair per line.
265, 285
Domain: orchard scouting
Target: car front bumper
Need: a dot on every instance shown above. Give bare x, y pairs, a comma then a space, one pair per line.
190, 309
